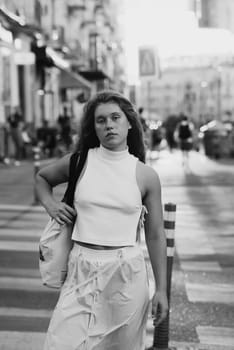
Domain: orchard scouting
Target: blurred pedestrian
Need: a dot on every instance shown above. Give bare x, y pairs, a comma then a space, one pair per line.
185, 138
142, 119
105, 299
51, 143
170, 124
42, 136
15, 122
65, 130
27, 140
146, 132
169, 134
47, 139
156, 136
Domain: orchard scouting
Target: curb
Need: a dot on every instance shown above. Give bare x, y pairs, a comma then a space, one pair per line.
197, 346
26, 162
22, 208
193, 346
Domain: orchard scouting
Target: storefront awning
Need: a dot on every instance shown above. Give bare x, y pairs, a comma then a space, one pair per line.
57, 60
93, 75
17, 23
48, 57
71, 80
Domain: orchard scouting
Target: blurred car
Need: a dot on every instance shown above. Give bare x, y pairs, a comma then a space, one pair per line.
217, 139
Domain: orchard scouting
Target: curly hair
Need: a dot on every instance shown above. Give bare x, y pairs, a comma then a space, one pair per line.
88, 138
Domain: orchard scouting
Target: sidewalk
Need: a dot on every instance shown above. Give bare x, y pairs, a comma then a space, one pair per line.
17, 183
202, 293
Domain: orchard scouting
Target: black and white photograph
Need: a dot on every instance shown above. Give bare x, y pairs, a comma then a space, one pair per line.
116, 174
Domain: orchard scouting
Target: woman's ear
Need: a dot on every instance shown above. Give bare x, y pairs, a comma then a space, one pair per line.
129, 126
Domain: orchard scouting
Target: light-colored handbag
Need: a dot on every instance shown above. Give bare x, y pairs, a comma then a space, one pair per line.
55, 242
55, 246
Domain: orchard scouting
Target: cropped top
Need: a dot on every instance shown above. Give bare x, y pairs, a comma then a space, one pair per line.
107, 199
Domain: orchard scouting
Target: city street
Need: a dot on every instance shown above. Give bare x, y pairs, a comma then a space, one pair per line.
202, 292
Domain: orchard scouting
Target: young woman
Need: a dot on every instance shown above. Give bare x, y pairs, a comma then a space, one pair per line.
104, 301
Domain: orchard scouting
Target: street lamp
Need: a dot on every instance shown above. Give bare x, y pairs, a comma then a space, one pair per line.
202, 104
219, 97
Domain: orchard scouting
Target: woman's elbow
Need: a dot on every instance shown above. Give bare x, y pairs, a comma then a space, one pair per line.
38, 177
41, 180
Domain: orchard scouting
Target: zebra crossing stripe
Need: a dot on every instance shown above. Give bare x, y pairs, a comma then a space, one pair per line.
12, 340
26, 284
10, 207
18, 312
19, 272
14, 234
19, 246
223, 336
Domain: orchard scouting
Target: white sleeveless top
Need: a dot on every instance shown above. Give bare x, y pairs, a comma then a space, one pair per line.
108, 199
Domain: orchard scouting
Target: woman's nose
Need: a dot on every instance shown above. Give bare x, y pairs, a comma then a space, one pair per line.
109, 124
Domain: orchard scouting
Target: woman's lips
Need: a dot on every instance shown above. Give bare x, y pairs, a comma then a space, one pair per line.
111, 134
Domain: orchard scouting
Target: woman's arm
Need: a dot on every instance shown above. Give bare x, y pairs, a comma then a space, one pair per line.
49, 177
156, 241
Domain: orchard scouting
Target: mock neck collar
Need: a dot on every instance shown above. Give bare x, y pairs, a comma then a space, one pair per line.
112, 155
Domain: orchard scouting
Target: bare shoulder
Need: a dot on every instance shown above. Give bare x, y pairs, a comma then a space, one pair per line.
147, 172
147, 178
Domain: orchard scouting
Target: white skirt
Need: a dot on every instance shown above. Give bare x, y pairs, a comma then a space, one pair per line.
103, 303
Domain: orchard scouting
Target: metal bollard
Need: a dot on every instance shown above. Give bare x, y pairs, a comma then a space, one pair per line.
161, 332
36, 164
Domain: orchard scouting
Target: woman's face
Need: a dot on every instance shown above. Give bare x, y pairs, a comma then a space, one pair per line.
111, 126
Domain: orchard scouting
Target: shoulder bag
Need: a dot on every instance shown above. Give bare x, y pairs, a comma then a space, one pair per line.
55, 242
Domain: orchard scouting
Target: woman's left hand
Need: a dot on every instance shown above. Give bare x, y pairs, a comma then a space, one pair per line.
159, 307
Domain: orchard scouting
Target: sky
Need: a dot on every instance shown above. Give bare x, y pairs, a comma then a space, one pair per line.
151, 22
169, 26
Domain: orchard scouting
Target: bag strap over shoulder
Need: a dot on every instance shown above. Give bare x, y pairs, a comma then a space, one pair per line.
76, 165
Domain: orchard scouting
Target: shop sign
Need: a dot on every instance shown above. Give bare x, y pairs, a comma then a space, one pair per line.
146, 62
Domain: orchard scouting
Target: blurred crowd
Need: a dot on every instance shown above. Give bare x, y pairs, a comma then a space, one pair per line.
215, 139
52, 140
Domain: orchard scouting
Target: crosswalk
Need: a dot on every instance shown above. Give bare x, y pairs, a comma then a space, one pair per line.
26, 305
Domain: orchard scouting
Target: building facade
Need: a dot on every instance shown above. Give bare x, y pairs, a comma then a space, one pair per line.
215, 14
202, 93
55, 53
199, 80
